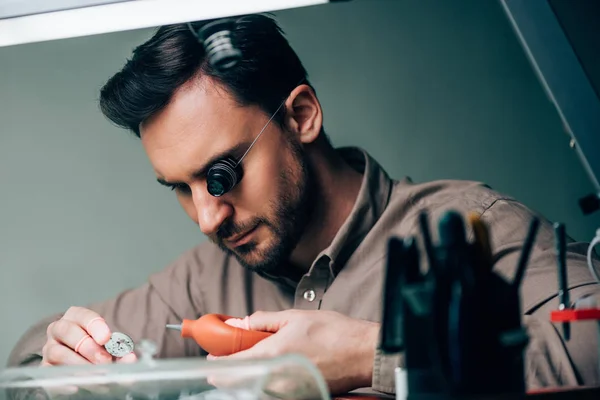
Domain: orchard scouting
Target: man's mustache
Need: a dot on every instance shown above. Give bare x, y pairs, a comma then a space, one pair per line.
230, 229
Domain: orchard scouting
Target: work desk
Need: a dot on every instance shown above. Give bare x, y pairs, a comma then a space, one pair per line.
548, 394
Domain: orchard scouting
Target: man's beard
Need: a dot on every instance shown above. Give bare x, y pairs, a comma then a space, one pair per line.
291, 214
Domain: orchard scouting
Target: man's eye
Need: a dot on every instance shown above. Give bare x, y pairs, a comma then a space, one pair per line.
180, 187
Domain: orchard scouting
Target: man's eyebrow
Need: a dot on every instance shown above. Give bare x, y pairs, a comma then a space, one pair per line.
236, 152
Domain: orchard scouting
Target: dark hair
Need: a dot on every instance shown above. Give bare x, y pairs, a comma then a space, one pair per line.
268, 71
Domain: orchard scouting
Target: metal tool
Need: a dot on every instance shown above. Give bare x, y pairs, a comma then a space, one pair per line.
584, 309
561, 258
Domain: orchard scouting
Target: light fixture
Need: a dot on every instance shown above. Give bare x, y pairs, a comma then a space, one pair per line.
37, 21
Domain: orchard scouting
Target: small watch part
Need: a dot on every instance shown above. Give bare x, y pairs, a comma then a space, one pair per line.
119, 345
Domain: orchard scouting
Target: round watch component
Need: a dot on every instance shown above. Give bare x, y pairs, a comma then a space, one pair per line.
119, 345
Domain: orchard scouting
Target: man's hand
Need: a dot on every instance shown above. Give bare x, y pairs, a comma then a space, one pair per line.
341, 347
78, 338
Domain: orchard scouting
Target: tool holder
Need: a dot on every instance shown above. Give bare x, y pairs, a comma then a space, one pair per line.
459, 323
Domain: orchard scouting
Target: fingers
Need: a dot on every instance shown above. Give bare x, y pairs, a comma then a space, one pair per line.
127, 359
55, 353
89, 320
71, 335
268, 321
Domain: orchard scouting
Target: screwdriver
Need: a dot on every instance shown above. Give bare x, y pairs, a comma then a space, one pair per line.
216, 337
560, 243
482, 240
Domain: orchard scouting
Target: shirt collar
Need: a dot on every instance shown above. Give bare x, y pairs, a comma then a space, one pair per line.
372, 199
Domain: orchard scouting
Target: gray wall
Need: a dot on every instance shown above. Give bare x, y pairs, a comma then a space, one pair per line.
433, 89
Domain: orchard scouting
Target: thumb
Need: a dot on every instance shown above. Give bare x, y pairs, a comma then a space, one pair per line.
242, 323
259, 321
267, 321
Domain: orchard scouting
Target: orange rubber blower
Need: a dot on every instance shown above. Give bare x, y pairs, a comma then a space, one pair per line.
218, 338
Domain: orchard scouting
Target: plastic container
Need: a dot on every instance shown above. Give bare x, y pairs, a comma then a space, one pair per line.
285, 377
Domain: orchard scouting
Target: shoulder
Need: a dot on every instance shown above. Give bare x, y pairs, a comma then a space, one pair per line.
507, 217
408, 199
461, 194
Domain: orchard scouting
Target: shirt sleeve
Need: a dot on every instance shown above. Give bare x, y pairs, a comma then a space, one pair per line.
384, 368
141, 313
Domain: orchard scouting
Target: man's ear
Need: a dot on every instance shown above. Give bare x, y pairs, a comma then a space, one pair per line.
304, 116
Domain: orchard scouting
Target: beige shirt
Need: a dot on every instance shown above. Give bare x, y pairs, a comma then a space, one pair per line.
347, 277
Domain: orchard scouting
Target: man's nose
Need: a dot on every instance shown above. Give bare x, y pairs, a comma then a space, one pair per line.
212, 211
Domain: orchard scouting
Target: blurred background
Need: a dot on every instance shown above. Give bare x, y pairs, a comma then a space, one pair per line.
432, 89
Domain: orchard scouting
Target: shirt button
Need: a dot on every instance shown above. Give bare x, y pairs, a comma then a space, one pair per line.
309, 295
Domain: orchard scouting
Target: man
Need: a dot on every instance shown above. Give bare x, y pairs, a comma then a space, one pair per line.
299, 242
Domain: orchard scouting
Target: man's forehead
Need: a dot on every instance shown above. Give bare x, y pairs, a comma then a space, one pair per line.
200, 121
195, 105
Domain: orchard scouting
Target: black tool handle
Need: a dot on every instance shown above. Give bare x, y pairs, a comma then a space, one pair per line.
391, 336
560, 244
